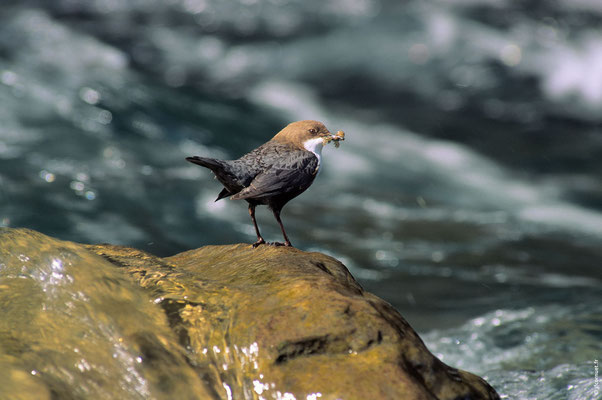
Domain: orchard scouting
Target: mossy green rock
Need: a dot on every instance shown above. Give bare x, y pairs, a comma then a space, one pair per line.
219, 322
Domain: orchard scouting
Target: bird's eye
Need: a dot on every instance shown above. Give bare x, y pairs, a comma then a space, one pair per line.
312, 131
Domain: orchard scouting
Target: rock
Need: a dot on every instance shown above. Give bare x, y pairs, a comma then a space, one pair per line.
74, 326
219, 322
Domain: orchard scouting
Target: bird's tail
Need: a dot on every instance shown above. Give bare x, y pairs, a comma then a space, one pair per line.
211, 163
219, 168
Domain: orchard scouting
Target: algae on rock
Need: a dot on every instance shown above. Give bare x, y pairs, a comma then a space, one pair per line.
217, 322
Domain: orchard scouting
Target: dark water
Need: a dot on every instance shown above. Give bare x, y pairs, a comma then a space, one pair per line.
468, 192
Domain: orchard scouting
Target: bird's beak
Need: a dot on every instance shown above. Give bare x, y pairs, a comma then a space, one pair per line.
340, 135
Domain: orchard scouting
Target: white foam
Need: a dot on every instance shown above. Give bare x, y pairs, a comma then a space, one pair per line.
564, 215
574, 70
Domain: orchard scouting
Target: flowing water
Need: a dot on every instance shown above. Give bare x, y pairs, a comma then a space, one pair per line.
468, 192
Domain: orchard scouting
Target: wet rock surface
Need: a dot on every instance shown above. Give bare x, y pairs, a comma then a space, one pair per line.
218, 322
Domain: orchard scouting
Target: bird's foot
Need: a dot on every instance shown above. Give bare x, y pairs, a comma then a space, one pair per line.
277, 244
258, 242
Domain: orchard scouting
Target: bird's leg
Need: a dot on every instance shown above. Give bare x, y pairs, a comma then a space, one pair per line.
252, 214
286, 241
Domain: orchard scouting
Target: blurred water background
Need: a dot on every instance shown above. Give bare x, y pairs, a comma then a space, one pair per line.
468, 192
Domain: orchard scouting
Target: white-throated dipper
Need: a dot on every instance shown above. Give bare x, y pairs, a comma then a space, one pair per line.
276, 171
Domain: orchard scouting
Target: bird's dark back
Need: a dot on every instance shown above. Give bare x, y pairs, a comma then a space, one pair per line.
256, 161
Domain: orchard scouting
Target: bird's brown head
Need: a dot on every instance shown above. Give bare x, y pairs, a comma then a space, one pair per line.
307, 133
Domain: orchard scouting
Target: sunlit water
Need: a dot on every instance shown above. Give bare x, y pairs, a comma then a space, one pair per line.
468, 192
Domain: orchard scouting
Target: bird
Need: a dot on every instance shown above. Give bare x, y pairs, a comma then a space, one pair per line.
275, 172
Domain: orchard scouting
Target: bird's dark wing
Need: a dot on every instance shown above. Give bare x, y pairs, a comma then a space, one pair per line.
293, 174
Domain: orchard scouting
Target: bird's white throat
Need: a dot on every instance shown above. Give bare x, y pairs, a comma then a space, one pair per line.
315, 146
